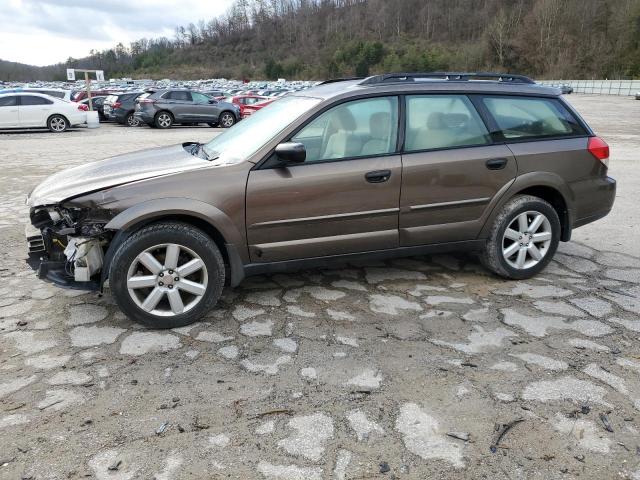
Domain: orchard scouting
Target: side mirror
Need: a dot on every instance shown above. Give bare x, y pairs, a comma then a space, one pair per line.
291, 152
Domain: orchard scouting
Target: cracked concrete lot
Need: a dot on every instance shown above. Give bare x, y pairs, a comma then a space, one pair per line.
417, 368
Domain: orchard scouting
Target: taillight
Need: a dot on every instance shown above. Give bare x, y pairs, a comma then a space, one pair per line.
83, 107
599, 149
116, 105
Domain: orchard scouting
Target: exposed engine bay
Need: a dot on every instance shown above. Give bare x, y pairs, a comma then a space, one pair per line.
67, 245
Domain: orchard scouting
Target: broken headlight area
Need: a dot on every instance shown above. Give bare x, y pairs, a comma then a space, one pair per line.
66, 245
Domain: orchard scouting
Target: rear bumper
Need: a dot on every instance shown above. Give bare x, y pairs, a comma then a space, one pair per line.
598, 202
144, 116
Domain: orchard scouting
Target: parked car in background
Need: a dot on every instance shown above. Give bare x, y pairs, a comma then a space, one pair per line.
245, 100
79, 95
164, 108
121, 108
52, 92
213, 93
34, 110
566, 89
637, 95
248, 110
98, 105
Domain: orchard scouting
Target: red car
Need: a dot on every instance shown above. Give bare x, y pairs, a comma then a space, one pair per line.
244, 101
247, 110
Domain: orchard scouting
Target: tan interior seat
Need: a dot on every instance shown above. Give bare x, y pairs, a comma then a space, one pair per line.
380, 133
342, 142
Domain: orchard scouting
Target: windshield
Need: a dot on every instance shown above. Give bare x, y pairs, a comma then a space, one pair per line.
248, 136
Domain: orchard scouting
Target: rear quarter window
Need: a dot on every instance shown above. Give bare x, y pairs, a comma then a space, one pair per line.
532, 117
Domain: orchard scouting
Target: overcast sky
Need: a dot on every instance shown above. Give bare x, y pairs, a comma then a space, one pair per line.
42, 32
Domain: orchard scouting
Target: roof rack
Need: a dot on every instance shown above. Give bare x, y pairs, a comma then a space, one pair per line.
447, 76
334, 80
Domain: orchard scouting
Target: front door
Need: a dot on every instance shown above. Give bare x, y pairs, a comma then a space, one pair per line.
342, 199
9, 116
34, 110
451, 170
204, 108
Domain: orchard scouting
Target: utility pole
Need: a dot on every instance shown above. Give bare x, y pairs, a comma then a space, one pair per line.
87, 84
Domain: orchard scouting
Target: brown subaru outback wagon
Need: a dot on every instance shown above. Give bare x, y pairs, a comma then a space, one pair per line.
390, 165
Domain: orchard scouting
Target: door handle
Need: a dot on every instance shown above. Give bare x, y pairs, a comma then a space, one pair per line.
497, 163
378, 176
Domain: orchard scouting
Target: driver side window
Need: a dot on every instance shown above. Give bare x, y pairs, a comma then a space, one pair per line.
361, 128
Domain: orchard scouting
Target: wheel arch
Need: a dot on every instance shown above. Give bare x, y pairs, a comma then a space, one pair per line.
203, 216
545, 185
58, 114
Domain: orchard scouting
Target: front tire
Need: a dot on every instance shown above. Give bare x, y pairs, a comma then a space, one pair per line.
523, 239
57, 124
226, 120
167, 275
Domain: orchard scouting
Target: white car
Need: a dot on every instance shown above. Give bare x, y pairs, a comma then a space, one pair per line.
53, 92
34, 110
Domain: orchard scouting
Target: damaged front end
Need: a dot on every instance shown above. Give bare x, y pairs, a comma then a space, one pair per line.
67, 245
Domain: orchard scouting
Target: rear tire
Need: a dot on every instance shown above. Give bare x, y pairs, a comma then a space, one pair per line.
57, 124
164, 290
163, 120
523, 238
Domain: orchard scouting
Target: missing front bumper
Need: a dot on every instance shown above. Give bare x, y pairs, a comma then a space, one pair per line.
55, 273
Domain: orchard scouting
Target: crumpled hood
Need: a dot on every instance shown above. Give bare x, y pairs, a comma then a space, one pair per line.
130, 167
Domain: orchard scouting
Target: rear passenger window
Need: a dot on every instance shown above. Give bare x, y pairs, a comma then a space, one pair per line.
32, 100
443, 121
521, 117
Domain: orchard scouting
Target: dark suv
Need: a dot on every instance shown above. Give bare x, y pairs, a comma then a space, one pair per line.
165, 107
121, 107
386, 166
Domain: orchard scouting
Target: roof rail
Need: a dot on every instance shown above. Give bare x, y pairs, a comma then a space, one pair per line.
447, 76
335, 80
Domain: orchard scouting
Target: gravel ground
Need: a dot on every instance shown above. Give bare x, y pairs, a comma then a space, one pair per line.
424, 367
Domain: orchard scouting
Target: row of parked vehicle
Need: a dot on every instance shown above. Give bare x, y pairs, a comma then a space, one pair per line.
218, 104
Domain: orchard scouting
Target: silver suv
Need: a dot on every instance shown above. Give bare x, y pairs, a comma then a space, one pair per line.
164, 108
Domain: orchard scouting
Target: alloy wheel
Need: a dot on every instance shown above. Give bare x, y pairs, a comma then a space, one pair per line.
227, 120
167, 279
58, 124
526, 240
132, 121
164, 120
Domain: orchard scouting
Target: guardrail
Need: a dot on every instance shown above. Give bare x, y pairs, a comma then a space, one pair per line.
625, 88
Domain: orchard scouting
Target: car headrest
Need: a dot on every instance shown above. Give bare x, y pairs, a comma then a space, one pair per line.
380, 125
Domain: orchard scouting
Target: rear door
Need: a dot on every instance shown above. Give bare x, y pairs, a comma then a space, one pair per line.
451, 170
342, 199
9, 114
180, 104
34, 110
